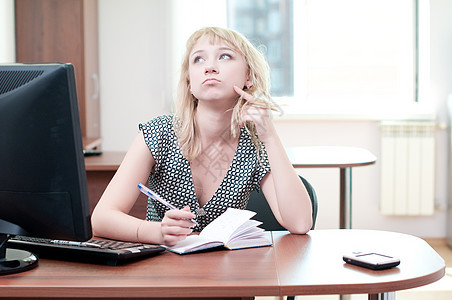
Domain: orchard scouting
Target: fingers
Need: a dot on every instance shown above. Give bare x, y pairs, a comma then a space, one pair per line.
256, 102
256, 106
176, 226
257, 112
244, 94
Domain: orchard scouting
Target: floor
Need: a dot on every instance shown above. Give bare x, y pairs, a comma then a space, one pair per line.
440, 290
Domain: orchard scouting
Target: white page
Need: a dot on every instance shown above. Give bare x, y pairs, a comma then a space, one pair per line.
249, 233
249, 225
222, 228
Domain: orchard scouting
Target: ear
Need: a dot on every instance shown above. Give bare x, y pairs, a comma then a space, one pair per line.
248, 83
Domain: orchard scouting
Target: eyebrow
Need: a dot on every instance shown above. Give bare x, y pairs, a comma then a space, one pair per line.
220, 49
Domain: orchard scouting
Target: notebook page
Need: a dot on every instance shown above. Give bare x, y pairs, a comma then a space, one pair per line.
224, 226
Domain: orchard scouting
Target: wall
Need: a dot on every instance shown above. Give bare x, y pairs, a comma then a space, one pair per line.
133, 66
7, 40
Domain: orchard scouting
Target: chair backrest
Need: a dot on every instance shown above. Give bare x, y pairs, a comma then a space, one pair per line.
258, 204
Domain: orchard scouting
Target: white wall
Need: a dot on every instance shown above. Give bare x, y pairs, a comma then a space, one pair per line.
134, 67
366, 179
7, 39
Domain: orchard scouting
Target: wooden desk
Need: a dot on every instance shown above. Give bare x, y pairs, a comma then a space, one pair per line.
320, 269
296, 265
344, 158
107, 161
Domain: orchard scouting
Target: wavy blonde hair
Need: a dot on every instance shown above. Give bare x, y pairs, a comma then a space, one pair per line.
186, 104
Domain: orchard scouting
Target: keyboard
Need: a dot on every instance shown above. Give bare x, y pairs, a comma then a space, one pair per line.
98, 251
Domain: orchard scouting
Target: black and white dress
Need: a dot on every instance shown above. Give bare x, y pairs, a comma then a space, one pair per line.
172, 178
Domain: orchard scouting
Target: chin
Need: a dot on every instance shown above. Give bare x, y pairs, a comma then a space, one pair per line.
216, 96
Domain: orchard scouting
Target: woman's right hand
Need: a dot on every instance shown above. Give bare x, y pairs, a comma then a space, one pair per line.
176, 225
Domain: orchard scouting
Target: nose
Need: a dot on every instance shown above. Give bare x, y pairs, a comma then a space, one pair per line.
211, 68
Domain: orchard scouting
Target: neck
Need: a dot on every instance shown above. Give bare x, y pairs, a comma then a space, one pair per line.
214, 124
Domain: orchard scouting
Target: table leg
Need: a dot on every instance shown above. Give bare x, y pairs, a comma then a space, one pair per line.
382, 296
345, 216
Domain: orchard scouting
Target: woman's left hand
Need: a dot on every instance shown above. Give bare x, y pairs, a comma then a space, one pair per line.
257, 114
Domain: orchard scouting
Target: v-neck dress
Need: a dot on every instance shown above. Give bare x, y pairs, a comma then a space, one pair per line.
172, 178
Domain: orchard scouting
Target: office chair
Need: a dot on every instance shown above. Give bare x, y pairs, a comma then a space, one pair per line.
258, 204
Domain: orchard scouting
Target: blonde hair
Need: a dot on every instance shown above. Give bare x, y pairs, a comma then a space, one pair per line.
186, 104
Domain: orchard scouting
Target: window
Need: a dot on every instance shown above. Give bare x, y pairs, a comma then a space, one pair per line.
269, 26
334, 51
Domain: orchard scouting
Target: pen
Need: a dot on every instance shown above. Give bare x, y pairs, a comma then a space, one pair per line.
155, 196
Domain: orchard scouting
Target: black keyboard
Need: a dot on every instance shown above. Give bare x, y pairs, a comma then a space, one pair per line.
98, 251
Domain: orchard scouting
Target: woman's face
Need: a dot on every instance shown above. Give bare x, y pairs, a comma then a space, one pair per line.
214, 69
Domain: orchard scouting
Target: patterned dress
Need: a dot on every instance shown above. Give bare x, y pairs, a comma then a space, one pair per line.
172, 178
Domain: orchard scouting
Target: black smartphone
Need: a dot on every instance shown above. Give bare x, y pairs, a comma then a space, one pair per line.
371, 260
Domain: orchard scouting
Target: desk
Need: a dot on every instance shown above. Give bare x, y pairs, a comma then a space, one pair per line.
321, 271
344, 158
296, 265
107, 161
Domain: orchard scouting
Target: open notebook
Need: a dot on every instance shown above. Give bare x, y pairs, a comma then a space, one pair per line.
232, 230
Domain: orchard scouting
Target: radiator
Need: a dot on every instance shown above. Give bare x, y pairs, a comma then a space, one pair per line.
407, 168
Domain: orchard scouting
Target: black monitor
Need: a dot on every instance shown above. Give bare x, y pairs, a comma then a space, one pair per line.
43, 190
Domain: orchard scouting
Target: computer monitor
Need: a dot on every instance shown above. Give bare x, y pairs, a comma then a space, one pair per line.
43, 190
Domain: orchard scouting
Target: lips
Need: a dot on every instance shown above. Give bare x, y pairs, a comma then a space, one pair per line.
210, 80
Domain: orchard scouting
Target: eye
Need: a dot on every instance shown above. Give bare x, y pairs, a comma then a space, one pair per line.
225, 56
198, 59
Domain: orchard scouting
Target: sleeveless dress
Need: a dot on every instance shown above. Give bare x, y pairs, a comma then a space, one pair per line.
172, 178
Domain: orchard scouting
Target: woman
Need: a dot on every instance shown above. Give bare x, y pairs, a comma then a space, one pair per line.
219, 146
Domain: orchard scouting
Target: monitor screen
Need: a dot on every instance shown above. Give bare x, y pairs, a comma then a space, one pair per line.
43, 190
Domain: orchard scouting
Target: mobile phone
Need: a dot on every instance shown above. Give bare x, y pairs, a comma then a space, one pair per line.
371, 260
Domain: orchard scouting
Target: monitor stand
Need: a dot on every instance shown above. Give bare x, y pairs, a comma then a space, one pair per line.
14, 260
